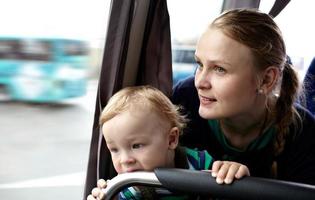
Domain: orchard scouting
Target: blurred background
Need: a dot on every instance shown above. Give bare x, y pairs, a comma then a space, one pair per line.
50, 58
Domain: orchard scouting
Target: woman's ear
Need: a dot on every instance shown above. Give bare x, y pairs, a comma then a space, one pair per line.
173, 138
269, 79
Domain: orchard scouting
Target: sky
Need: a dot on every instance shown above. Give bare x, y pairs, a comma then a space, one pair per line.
82, 19
190, 18
296, 22
87, 19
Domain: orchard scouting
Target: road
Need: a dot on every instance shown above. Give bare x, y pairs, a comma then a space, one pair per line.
44, 148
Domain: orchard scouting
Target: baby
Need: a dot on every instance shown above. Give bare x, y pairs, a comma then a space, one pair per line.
141, 128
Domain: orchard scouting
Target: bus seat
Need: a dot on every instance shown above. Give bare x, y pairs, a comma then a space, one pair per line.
309, 84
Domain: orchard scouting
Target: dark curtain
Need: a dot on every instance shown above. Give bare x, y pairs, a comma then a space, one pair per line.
154, 68
156, 59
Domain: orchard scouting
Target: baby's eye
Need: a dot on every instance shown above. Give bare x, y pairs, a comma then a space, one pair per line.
113, 150
137, 146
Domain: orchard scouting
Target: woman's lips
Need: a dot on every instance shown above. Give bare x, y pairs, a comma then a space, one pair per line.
206, 100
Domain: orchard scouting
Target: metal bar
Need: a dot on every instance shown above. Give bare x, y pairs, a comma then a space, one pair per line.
135, 178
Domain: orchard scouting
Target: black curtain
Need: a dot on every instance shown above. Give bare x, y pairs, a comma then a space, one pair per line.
154, 68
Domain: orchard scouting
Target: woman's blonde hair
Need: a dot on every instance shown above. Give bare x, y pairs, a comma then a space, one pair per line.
139, 97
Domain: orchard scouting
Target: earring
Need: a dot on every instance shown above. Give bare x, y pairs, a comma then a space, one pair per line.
260, 91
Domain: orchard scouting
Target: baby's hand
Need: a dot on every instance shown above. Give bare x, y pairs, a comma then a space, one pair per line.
226, 171
97, 193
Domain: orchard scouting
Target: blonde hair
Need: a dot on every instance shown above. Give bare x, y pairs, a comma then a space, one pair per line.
260, 33
139, 97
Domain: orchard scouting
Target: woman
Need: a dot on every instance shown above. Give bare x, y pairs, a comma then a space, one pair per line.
241, 100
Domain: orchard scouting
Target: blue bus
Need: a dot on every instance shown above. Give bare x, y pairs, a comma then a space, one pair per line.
42, 70
183, 62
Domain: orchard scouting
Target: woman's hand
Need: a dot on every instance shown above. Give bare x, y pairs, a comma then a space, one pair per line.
97, 193
227, 171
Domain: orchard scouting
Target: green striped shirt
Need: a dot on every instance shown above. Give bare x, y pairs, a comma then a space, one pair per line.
196, 160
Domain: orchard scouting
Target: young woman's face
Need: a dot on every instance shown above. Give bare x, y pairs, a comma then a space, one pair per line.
226, 77
138, 142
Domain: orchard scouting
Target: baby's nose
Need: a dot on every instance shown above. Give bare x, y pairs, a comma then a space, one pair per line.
126, 158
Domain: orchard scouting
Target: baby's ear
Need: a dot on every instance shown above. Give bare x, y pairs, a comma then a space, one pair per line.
173, 138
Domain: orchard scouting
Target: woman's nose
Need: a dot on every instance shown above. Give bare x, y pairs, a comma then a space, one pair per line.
202, 79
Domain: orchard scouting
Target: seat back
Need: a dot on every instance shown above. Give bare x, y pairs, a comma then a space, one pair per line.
309, 84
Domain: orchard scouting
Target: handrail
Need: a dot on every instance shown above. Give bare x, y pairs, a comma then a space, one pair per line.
135, 178
202, 183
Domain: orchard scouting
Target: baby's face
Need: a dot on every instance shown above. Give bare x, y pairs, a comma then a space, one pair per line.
138, 142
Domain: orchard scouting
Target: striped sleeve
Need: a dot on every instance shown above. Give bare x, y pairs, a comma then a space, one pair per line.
130, 193
198, 160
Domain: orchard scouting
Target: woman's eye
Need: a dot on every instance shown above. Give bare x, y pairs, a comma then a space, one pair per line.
219, 69
199, 65
137, 146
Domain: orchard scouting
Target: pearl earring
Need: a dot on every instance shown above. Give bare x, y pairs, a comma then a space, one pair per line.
260, 91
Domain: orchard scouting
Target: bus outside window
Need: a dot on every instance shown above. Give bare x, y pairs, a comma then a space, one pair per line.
43, 70
184, 64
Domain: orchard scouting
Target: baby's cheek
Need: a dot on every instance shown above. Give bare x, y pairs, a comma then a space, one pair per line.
152, 164
117, 167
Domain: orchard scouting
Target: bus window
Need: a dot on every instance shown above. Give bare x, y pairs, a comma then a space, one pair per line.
184, 64
50, 58
8, 48
299, 37
185, 35
75, 49
35, 50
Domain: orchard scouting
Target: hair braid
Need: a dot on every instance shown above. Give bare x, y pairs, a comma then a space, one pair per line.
284, 113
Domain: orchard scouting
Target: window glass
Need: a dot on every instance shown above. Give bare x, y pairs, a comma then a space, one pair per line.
50, 58
296, 24
188, 20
